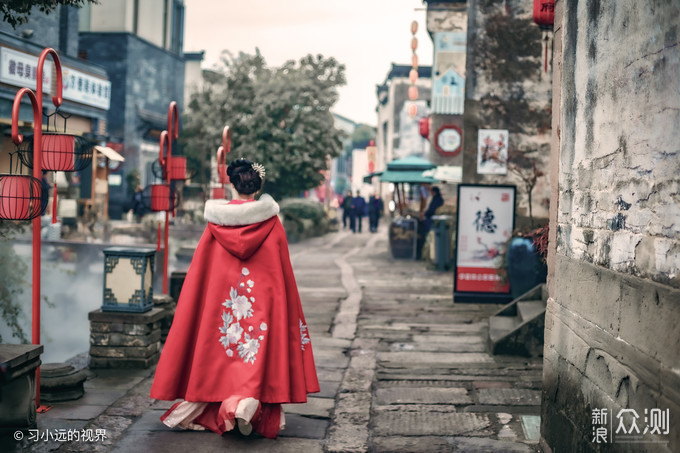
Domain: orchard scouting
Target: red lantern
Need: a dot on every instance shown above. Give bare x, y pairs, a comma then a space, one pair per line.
20, 197
412, 110
413, 76
414, 43
414, 61
60, 152
177, 168
413, 93
544, 13
424, 127
160, 197
218, 193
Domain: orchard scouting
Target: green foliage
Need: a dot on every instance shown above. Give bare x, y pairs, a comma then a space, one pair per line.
361, 135
17, 12
133, 180
279, 117
13, 272
303, 218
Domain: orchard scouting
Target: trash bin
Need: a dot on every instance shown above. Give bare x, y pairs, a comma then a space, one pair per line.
442, 240
403, 238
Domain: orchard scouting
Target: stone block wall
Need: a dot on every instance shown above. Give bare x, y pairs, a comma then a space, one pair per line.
611, 338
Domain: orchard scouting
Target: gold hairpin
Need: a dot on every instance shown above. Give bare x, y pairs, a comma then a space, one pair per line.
259, 168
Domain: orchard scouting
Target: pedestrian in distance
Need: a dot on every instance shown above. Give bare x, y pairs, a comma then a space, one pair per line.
358, 211
239, 345
346, 209
375, 209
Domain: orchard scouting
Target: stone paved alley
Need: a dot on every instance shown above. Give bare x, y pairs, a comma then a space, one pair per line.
402, 369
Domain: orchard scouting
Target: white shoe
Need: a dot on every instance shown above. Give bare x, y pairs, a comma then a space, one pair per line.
244, 427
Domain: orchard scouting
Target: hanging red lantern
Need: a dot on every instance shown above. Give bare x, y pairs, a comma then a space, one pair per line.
413, 93
413, 75
544, 13
218, 193
414, 61
177, 167
412, 110
424, 127
160, 197
20, 197
60, 152
414, 43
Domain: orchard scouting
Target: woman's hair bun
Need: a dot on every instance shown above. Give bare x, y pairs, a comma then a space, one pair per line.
244, 177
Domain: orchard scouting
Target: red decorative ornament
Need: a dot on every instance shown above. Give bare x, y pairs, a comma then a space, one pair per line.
20, 197
424, 127
218, 193
413, 110
177, 168
413, 93
160, 197
413, 75
544, 13
414, 43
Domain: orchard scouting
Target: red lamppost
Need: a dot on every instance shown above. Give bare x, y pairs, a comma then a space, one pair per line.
36, 103
222, 151
170, 172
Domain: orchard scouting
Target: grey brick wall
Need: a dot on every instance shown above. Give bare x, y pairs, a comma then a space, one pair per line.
611, 338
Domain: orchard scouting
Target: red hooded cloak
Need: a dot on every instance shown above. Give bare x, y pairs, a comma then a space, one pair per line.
239, 339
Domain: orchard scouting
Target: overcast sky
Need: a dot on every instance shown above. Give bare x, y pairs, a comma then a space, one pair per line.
364, 35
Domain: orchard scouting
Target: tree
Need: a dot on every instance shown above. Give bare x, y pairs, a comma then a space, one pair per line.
13, 281
16, 12
279, 117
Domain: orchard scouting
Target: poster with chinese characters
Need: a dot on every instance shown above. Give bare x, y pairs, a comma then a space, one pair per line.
492, 151
485, 220
21, 69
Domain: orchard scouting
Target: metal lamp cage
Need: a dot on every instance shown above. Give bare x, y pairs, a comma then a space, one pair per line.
21, 197
60, 151
177, 168
160, 197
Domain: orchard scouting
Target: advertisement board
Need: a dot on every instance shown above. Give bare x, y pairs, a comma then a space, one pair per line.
484, 224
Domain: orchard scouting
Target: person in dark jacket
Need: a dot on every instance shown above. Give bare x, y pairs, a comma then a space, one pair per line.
358, 211
346, 209
435, 203
375, 209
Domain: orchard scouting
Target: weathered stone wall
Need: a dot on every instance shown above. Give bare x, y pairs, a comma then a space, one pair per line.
507, 87
612, 339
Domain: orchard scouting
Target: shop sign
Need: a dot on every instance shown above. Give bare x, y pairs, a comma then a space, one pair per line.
86, 89
20, 69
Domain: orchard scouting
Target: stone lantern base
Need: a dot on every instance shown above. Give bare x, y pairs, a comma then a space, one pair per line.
125, 340
18, 363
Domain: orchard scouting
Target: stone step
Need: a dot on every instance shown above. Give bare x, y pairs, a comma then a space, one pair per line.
500, 326
530, 309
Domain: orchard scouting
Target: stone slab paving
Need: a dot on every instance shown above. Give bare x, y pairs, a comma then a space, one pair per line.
402, 368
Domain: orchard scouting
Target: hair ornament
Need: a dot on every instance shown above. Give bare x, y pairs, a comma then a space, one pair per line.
259, 168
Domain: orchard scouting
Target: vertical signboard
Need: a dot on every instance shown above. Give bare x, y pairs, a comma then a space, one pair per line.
484, 223
492, 152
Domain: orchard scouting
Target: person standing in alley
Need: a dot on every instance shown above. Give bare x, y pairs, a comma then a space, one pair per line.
436, 202
239, 345
375, 209
358, 211
347, 210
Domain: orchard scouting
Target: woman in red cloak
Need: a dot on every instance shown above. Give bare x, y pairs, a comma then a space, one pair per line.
238, 347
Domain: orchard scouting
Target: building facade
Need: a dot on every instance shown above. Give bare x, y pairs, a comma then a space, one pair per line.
86, 93
140, 46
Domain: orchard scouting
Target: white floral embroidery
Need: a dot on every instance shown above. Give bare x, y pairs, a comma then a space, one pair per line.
238, 308
242, 307
304, 338
248, 349
234, 333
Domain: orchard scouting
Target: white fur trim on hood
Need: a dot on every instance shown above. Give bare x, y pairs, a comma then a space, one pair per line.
221, 212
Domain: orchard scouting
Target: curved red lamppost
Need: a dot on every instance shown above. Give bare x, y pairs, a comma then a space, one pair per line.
36, 103
169, 170
222, 151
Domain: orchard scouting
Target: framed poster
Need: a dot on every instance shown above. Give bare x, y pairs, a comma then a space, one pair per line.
492, 152
484, 224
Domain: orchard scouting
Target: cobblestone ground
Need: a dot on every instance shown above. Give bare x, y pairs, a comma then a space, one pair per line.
402, 369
